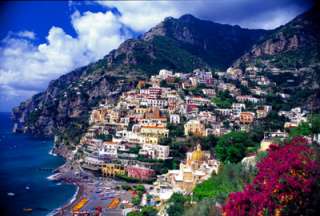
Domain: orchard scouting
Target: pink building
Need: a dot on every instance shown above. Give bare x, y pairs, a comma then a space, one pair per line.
139, 172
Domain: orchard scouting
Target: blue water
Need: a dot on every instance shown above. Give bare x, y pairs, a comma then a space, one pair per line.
22, 158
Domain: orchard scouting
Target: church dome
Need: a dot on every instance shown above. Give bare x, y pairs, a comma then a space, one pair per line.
198, 154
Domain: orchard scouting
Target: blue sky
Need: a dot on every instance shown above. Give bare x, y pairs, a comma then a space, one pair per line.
40, 41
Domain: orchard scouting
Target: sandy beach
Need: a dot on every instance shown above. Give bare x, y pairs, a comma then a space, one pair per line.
67, 208
98, 190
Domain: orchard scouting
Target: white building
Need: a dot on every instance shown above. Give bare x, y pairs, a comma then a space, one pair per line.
153, 151
237, 108
175, 119
164, 74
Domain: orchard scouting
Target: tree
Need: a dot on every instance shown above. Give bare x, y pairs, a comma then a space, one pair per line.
104, 137
287, 183
136, 200
315, 123
232, 146
303, 129
175, 130
204, 207
209, 142
148, 211
273, 121
311, 127
230, 178
223, 99
140, 188
145, 211
176, 204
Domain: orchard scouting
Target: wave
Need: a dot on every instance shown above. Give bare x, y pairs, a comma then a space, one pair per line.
52, 153
54, 177
73, 198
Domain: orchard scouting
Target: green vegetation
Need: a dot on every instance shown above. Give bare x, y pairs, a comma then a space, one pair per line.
233, 146
303, 129
139, 189
177, 204
230, 178
133, 180
297, 58
104, 137
311, 127
175, 130
135, 149
166, 165
315, 123
207, 143
33, 116
167, 53
273, 122
145, 211
136, 200
223, 99
75, 129
203, 208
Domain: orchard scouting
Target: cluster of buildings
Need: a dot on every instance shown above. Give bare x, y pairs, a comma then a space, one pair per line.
126, 138
295, 116
198, 167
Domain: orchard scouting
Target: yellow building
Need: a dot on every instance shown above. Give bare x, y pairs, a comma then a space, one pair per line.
112, 169
98, 115
150, 140
140, 110
157, 130
194, 127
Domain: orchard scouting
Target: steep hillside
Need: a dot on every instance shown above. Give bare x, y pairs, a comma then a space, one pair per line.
179, 44
291, 53
293, 45
184, 44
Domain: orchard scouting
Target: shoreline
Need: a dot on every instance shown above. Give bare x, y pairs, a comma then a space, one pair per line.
59, 176
65, 209
88, 185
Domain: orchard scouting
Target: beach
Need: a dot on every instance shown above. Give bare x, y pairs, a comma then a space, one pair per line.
99, 191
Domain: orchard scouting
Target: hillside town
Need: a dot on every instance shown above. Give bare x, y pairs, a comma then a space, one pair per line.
130, 140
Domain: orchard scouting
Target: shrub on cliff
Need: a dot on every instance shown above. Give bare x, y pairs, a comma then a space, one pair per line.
232, 147
287, 183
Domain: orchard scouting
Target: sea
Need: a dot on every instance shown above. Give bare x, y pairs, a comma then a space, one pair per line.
25, 165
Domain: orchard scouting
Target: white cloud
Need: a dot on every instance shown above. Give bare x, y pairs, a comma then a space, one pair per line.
142, 15
104, 36
26, 68
27, 34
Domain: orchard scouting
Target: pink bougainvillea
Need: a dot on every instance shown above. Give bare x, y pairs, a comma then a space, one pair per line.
285, 183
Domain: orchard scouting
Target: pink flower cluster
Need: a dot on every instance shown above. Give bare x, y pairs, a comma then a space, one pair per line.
283, 185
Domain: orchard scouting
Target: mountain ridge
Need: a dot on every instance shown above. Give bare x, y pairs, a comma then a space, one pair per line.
181, 45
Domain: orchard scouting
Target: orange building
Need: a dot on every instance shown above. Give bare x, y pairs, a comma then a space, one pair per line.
247, 117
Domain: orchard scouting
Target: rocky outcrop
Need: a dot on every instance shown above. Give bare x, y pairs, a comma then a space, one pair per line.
294, 51
299, 40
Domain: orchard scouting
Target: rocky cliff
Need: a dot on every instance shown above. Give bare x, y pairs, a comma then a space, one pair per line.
292, 52
293, 45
